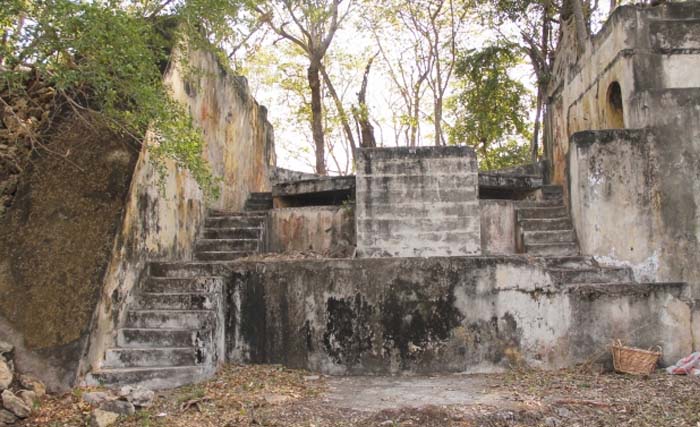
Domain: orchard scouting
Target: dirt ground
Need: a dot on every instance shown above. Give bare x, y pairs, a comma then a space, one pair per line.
250, 396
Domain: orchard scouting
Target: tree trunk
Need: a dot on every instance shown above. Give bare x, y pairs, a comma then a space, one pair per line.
414, 120
541, 79
341, 110
438, 121
317, 116
580, 20
547, 140
536, 133
362, 116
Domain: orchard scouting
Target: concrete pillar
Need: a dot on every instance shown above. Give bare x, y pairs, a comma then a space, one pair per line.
418, 202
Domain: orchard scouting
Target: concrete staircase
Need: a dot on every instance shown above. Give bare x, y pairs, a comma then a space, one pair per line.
229, 236
258, 202
543, 227
169, 335
579, 270
173, 330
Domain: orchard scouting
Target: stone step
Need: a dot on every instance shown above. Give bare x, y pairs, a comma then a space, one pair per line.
221, 255
539, 203
258, 205
218, 245
151, 357
138, 338
175, 301
182, 284
591, 275
258, 208
560, 249
543, 212
260, 196
552, 191
570, 261
546, 224
234, 221
155, 378
259, 202
240, 214
260, 199
186, 270
217, 213
549, 236
170, 319
233, 233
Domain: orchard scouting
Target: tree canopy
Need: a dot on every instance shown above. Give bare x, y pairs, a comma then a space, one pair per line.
491, 108
105, 59
348, 72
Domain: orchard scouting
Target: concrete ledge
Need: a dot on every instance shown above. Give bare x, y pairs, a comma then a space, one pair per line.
417, 152
499, 181
312, 186
462, 314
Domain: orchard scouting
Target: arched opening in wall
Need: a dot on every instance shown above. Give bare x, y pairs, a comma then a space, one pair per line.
616, 119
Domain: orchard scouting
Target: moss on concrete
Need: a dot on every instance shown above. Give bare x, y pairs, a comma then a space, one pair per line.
56, 239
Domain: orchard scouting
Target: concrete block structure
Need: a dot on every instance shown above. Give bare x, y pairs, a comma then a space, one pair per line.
419, 263
417, 202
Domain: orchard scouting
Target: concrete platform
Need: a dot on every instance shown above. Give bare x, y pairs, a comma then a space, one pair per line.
335, 190
370, 394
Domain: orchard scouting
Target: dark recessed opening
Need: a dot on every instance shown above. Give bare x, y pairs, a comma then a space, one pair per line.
615, 114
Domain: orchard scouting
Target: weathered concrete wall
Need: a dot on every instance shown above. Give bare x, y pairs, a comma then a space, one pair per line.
639, 48
321, 229
278, 175
162, 220
417, 202
635, 197
421, 315
55, 244
240, 143
497, 226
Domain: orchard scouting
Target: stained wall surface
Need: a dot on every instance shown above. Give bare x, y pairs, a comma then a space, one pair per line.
639, 48
426, 315
417, 202
162, 218
325, 230
635, 195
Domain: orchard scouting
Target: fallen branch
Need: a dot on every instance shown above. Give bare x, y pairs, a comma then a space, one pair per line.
193, 403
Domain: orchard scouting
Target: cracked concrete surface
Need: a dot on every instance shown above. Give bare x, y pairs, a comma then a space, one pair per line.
380, 393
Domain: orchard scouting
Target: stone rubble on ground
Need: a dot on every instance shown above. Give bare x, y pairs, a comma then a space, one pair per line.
95, 398
5, 348
100, 418
15, 405
28, 397
30, 383
110, 405
19, 393
7, 417
138, 396
121, 407
5, 375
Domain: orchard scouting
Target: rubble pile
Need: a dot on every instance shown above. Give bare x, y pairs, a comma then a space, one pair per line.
109, 406
18, 393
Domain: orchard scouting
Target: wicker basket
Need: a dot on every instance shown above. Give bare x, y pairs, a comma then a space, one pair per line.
630, 360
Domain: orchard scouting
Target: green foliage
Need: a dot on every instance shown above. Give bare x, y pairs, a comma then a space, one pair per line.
106, 58
491, 108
